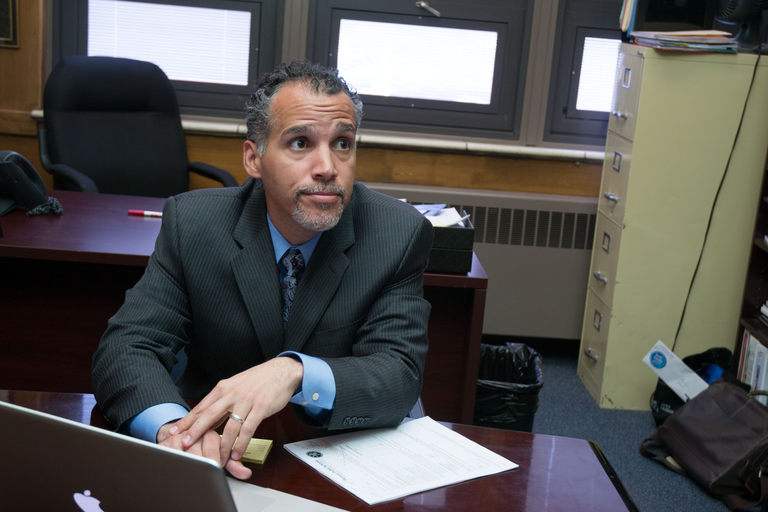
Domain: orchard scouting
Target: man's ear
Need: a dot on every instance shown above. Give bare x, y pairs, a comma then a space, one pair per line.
251, 159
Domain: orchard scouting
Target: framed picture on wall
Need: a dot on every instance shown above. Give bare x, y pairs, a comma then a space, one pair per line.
9, 23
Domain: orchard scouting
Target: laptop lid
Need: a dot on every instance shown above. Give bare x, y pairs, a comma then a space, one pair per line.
51, 463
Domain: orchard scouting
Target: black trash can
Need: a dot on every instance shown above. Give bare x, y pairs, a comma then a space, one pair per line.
508, 384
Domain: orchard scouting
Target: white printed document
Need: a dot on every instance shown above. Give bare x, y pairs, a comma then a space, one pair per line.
383, 464
674, 372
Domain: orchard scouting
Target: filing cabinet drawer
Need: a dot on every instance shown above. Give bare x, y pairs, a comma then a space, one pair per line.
594, 337
627, 93
605, 259
613, 193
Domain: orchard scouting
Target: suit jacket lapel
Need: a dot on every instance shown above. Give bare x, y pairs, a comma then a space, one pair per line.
256, 274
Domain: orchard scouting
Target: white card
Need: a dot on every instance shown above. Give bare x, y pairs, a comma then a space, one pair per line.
674, 372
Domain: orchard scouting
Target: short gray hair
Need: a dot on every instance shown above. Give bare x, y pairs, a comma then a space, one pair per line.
321, 79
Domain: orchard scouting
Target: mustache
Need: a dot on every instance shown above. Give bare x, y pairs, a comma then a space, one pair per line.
324, 188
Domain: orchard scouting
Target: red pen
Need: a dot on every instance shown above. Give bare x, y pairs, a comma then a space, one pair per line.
145, 213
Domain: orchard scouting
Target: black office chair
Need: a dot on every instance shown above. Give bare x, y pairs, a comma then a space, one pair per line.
112, 125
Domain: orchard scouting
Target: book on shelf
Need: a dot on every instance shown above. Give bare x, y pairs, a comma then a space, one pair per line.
743, 348
627, 16
758, 374
749, 364
753, 364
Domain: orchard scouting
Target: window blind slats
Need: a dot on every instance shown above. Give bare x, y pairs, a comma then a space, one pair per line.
194, 44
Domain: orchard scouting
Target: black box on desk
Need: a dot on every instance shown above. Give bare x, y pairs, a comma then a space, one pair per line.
452, 249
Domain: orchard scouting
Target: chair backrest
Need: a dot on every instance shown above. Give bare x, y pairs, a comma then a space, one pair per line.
116, 120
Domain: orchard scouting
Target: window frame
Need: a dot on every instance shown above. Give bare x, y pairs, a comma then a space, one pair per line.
573, 91
577, 20
500, 119
70, 33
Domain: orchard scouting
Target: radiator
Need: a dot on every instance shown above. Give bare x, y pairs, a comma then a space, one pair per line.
535, 249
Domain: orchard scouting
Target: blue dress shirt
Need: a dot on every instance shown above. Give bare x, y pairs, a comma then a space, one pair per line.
318, 387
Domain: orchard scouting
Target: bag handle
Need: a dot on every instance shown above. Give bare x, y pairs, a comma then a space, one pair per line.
655, 449
736, 502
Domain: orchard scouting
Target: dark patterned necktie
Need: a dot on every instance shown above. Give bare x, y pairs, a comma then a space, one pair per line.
292, 264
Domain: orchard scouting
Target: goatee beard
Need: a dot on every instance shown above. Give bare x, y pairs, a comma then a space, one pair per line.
329, 214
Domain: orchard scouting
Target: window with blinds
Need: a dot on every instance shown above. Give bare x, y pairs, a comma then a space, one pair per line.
212, 51
191, 44
418, 62
455, 68
597, 74
586, 49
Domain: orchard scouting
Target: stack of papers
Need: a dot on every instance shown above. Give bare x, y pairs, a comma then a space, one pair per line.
688, 40
385, 464
440, 216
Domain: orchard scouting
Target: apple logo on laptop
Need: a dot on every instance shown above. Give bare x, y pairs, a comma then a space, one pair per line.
86, 502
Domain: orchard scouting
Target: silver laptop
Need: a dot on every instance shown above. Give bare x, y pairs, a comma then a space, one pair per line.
51, 463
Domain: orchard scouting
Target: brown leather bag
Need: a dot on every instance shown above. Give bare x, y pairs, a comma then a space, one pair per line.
720, 439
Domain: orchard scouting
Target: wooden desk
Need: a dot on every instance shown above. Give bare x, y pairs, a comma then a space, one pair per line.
62, 278
555, 473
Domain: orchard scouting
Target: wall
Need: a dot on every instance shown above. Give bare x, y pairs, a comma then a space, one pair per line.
21, 82
21, 86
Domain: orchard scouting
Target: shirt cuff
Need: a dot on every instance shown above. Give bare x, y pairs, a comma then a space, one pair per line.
147, 423
318, 387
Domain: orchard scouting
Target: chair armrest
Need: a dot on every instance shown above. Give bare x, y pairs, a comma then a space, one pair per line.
77, 179
214, 173
43, 145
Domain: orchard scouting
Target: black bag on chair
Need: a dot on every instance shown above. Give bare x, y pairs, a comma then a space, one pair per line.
720, 439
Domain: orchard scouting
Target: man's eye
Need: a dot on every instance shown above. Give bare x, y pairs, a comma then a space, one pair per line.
299, 143
343, 144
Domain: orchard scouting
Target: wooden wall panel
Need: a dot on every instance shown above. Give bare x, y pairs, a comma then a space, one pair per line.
21, 81
393, 166
478, 172
429, 168
223, 152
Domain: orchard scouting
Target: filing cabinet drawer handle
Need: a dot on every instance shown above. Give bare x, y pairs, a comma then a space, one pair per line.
591, 355
611, 197
600, 276
620, 115
617, 159
626, 78
606, 245
597, 320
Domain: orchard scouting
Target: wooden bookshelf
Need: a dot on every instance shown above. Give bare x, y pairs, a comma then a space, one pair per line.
756, 284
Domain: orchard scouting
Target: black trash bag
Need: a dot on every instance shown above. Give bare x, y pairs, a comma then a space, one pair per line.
709, 365
509, 380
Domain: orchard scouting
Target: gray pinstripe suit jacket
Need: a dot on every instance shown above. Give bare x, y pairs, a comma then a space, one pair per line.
211, 285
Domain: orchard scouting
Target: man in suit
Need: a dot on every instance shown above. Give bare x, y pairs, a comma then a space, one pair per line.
350, 350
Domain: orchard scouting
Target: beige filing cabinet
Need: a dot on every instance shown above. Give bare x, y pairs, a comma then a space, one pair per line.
668, 168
